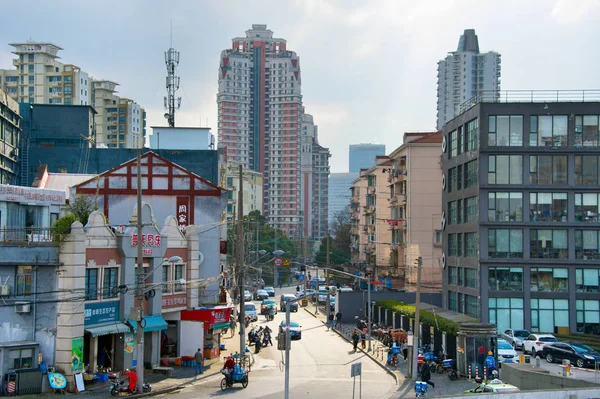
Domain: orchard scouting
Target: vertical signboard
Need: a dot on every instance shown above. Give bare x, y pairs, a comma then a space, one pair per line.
182, 213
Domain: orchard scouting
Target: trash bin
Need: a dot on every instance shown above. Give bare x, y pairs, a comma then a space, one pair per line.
527, 359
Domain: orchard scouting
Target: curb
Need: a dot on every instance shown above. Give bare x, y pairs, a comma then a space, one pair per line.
390, 372
173, 388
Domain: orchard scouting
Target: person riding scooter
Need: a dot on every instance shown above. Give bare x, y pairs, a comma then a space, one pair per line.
267, 336
133, 378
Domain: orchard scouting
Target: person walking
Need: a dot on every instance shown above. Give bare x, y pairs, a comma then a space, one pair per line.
330, 321
199, 358
426, 374
355, 338
490, 364
338, 319
363, 338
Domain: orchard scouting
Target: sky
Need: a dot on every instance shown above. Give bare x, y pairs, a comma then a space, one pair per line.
368, 67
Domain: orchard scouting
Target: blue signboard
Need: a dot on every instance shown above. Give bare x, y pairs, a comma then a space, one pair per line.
101, 312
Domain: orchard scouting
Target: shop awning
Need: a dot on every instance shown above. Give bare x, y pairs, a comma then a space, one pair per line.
113, 328
221, 326
153, 323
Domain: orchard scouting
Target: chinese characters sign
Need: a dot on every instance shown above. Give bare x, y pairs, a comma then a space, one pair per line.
174, 301
182, 213
149, 241
209, 316
31, 195
101, 312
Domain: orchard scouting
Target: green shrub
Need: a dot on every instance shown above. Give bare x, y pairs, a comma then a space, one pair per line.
62, 227
440, 323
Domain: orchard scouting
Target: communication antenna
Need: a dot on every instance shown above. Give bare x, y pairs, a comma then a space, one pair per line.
172, 103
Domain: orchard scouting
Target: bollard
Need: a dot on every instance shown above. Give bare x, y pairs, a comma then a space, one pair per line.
522, 358
469, 372
476, 371
484, 372
537, 361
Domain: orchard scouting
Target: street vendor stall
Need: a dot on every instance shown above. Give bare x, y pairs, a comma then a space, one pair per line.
215, 320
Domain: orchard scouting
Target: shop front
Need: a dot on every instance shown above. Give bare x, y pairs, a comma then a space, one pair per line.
215, 320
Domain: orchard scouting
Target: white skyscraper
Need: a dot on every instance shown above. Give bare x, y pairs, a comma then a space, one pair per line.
464, 74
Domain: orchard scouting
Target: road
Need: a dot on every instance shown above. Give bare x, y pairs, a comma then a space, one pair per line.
319, 367
555, 369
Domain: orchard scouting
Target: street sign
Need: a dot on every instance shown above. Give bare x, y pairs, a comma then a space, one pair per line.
286, 262
278, 261
356, 369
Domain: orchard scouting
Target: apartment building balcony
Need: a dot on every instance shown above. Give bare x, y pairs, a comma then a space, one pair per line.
397, 175
54, 83
354, 200
27, 245
371, 190
355, 216
370, 248
369, 209
354, 231
370, 228
396, 224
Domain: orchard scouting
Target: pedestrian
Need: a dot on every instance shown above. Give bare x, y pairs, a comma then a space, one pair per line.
330, 321
426, 373
404, 349
490, 364
355, 338
199, 360
363, 338
338, 319
232, 325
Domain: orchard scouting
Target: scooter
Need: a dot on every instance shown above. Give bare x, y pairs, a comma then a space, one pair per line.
121, 386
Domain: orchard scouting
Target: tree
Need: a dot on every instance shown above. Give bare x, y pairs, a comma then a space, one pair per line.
340, 219
81, 206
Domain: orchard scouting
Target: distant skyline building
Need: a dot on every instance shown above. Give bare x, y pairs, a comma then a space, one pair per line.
463, 74
10, 127
362, 156
260, 115
339, 192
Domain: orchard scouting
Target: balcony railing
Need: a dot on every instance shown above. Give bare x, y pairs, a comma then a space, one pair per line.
26, 235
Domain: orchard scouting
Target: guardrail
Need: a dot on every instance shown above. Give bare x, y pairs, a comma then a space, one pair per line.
26, 235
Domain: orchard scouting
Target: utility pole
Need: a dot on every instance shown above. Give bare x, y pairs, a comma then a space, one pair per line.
240, 260
415, 354
139, 367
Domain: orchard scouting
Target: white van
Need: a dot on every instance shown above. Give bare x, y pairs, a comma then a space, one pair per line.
250, 311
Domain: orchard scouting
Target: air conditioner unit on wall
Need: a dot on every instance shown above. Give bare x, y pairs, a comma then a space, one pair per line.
4, 290
22, 308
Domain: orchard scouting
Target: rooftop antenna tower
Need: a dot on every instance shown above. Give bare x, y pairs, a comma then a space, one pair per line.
172, 103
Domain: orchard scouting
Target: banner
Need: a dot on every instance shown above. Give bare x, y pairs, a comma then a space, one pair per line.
77, 354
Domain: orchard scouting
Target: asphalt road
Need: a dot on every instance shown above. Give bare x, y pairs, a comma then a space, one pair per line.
319, 367
555, 369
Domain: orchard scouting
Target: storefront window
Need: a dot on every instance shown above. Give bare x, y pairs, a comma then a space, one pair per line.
588, 316
23, 280
587, 207
587, 280
20, 358
548, 207
546, 314
505, 279
91, 284
549, 279
109, 281
587, 244
505, 243
548, 169
506, 312
505, 207
549, 244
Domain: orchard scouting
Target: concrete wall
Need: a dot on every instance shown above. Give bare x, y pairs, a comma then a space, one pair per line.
352, 303
526, 377
563, 394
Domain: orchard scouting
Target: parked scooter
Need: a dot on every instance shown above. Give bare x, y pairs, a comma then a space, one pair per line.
122, 386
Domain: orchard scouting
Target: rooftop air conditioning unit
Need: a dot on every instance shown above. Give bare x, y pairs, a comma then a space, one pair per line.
22, 308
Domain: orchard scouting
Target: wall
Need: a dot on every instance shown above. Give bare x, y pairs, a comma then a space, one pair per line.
527, 377
570, 394
181, 138
352, 304
191, 337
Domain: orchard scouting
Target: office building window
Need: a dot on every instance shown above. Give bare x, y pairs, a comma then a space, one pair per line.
459, 177
109, 282
587, 244
548, 131
505, 243
548, 169
471, 209
506, 313
505, 169
453, 144
548, 207
471, 245
452, 217
586, 169
470, 171
452, 275
505, 278
546, 314
587, 207
459, 244
549, 279
452, 180
452, 301
505, 131
459, 211
472, 132
588, 316
30, 68
471, 278
471, 307
586, 131
549, 244
587, 280
91, 284
452, 242
505, 207
23, 280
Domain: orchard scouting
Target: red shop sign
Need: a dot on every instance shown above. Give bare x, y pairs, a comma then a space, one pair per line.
208, 316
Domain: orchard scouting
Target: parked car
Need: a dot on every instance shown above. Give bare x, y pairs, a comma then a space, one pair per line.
295, 329
250, 310
495, 388
247, 296
266, 305
506, 352
286, 297
515, 337
270, 291
332, 303
535, 343
579, 354
261, 295
345, 289
322, 296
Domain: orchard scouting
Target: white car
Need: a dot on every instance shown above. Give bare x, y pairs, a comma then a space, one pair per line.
247, 296
250, 311
535, 343
506, 353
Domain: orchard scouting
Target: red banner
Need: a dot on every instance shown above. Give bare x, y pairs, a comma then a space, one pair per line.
208, 316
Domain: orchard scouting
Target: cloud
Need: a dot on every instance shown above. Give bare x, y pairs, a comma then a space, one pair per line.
568, 12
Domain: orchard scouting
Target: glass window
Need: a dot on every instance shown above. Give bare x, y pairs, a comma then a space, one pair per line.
453, 144
587, 280
586, 131
506, 131
506, 313
546, 314
178, 277
549, 279
166, 278
471, 245
471, 209
471, 278
505, 278
548, 207
109, 281
588, 316
548, 131
23, 280
461, 275
587, 244
20, 358
472, 132
452, 275
91, 284
548, 169
470, 171
505, 243
452, 241
471, 307
30, 67
505, 207
452, 181
586, 169
459, 211
549, 244
505, 169
452, 301
459, 177
587, 207
459, 244
452, 217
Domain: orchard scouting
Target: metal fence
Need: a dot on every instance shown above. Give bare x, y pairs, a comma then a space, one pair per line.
26, 235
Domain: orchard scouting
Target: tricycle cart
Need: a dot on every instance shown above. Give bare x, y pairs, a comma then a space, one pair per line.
239, 375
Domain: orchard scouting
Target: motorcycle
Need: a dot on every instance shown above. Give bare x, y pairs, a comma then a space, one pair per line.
247, 321
269, 317
257, 346
121, 386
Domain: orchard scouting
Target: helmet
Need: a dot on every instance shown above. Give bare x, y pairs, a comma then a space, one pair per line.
490, 353
494, 373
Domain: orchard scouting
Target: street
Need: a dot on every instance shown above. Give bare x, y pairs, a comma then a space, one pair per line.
320, 367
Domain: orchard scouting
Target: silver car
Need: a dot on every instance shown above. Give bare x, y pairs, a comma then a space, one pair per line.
515, 337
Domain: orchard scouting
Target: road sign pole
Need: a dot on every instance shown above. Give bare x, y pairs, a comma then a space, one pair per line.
353, 386
360, 386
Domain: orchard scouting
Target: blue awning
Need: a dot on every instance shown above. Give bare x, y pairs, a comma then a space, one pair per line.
153, 323
113, 328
